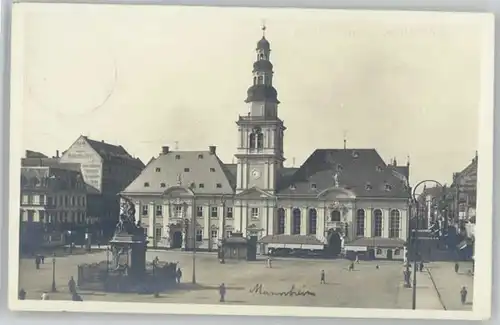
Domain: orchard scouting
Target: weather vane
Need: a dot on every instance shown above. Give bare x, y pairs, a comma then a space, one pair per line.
263, 27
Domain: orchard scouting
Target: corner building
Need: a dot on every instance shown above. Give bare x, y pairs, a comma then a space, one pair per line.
339, 199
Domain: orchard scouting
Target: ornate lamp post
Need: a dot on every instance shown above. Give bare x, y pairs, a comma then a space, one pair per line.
193, 220
53, 289
413, 238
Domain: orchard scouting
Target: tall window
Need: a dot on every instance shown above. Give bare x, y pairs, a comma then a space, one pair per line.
159, 210
394, 224
378, 223
229, 213
178, 211
199, 235
213, 212
260, 80
158, 233
296, 222
360, 223
255, 213
144, 210
199, 211
281, 221
312, 221
335, 216
252, 140
260, 140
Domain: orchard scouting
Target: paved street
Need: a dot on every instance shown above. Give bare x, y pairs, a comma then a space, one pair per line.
366, 287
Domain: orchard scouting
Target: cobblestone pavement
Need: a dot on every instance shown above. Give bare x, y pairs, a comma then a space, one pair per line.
365, 287
449, 283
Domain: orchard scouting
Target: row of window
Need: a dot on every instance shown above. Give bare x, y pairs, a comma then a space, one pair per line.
40, 199
200, 185
178, 211
214, 234
56, 217
186, 169
335, 216
368, 187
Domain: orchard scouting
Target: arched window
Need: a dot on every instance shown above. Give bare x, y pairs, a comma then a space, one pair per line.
281, 221
378, 223
313, 217
261, 56
252, 140
254, 80
260, 140
360, 223
296, 222
260, 80
335, 216
394, 224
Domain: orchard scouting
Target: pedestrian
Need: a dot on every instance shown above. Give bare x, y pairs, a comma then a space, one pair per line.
421, 266
37, 262
351, 267
178, 275
457, 267
42, 258
357, 259
45, 296
98, 244
72, 285
463, 295
322, 278
22, 294
377, 267
222, 292
269, 263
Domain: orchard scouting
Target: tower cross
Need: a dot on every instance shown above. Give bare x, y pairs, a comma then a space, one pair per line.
263, 28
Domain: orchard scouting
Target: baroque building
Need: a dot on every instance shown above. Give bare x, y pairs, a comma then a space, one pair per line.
338, 199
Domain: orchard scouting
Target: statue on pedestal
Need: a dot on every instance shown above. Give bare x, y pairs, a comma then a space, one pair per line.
336, 179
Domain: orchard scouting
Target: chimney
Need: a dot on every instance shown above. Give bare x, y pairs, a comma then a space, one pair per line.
165, 150
212, 149
57, 153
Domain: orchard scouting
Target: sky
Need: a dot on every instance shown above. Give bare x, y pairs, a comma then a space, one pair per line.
406, 84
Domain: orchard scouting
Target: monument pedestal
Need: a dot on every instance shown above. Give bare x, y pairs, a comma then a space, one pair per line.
133, 252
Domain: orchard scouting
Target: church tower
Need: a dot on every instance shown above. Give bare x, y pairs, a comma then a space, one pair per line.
260, 133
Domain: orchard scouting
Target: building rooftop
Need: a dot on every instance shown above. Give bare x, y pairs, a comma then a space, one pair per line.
361, 171
202, 171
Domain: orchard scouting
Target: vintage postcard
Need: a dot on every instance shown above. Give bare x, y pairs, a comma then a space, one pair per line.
251, 161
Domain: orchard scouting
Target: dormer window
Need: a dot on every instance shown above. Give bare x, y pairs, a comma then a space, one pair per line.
355, 154
379, 168
177, 157
200, 156
201, 185
368, 187
186, 170
313, 186
146, 184
388, 187
157, 169
219, 185
163, 185
212, 170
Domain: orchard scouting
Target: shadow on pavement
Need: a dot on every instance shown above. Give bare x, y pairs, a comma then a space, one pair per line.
196, 287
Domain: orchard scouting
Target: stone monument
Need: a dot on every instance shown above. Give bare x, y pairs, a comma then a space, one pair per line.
128, 246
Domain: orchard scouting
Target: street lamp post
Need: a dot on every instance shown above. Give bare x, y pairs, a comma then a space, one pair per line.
193, 221
414, 237
53, 289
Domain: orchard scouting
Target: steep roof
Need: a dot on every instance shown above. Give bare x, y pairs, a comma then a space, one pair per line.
58, 178
362, 171
201, 168
111, 152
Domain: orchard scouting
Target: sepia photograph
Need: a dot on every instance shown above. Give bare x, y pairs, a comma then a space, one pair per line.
251, 161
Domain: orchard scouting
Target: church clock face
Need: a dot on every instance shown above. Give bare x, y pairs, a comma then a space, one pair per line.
255, 174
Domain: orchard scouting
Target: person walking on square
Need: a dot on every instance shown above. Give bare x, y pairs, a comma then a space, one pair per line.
457, 267
42, 258
222, 292
178, 275
351, 267
357, 259
45, 296
37, 262
323, 278
72, 285
463, 295
421, 266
